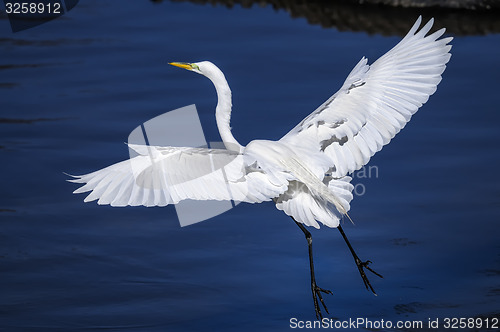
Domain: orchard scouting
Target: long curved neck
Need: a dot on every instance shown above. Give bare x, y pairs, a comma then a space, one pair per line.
223, 115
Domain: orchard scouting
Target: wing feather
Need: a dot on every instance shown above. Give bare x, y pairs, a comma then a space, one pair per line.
375, 102
159, 176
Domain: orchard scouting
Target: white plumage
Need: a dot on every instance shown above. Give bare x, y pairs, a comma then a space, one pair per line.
306, 172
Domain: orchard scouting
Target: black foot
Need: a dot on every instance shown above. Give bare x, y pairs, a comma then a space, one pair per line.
361, 265
364, 265
316, 291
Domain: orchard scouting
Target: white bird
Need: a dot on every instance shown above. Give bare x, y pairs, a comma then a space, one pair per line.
306, 172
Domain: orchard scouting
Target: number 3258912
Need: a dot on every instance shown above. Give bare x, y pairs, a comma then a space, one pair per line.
33, 8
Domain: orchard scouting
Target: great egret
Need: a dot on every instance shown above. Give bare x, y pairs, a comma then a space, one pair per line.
306, 173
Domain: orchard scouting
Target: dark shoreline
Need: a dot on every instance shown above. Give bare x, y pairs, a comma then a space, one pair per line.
460, 17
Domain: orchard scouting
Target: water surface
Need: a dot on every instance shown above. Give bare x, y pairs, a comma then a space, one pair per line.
74, 88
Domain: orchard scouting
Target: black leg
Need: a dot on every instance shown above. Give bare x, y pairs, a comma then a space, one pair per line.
316, 291
361, 265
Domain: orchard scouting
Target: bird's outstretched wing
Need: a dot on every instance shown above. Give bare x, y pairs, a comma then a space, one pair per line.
159, 176
375, 102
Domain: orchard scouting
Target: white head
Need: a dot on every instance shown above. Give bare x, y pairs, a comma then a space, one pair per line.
205, 68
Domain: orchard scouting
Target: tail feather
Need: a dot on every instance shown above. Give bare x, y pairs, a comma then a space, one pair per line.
317, 188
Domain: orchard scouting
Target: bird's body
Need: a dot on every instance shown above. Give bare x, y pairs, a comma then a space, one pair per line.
306, 173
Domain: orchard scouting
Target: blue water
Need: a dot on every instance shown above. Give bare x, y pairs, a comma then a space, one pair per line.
73, 89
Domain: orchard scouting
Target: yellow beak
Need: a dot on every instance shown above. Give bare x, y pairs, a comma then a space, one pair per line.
183, 65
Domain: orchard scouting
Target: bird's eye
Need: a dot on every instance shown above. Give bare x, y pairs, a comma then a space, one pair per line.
194, 66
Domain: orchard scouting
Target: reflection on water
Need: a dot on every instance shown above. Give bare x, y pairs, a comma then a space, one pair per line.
375, 19
8, 85
11, 66
28, 121
43, 43
414, 307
